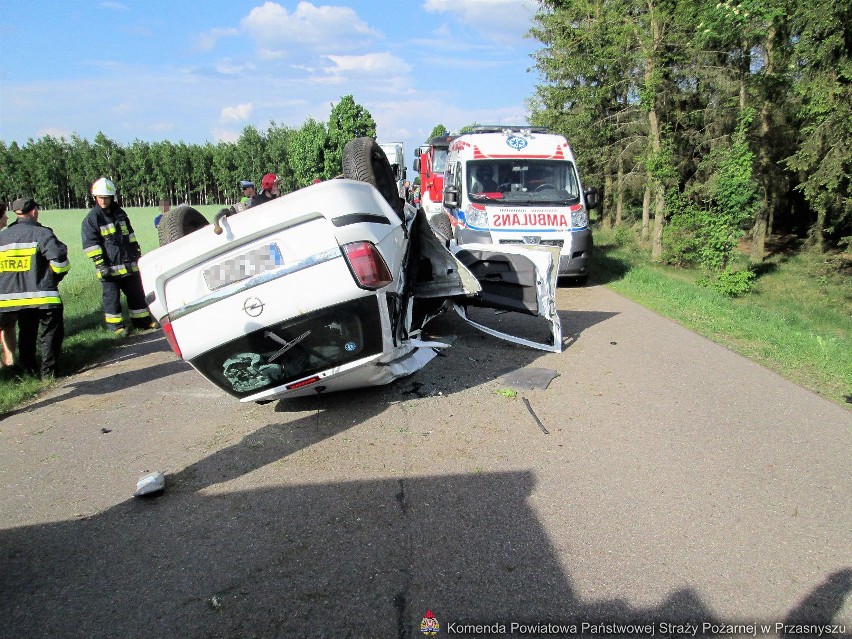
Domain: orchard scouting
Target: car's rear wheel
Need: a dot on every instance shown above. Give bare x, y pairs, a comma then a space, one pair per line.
364, 160
441, 226
178, 223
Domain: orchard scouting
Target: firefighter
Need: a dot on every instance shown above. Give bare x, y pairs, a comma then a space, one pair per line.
32, 263
270, 191
109, 241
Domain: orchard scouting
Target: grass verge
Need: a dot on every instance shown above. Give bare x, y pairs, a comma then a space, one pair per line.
797, 320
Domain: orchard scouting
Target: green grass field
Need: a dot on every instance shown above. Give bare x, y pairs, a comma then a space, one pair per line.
797, 321
85, 337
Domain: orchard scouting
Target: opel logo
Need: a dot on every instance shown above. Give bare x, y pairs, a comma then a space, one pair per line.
253, 307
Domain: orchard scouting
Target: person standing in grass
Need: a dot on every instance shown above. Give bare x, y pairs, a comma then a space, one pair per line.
8, 321
109, 241
32, 263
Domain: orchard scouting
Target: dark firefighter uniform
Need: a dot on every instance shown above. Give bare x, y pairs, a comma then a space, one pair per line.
32, 263
109, 241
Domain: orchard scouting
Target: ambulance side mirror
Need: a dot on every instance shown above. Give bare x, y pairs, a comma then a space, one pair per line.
451, 197
593, 198
416, 165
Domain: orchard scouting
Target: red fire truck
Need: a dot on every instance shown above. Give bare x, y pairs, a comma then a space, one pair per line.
430, 163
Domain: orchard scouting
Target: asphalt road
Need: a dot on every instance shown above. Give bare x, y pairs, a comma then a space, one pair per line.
677, 482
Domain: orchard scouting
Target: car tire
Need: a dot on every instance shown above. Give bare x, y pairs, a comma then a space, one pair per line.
364, 160
441, 226
178, 223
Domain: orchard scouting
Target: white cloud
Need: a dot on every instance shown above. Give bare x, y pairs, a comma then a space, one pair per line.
239, 113
368, 63
498, 20
273, 28
227, 67
53, 132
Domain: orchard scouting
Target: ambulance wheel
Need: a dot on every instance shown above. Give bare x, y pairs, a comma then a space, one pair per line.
179, 222
364, 160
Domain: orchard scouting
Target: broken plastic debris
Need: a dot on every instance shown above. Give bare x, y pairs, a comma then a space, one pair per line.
530, 378
150, 483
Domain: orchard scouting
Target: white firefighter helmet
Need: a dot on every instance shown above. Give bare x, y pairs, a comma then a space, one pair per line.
103, 186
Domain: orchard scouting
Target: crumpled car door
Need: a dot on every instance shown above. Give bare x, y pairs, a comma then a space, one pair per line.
512, 278
521, 279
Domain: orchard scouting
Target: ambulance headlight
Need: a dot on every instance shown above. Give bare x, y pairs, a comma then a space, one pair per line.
579, 219
476, 216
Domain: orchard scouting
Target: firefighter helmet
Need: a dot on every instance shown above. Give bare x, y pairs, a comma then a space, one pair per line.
103, 186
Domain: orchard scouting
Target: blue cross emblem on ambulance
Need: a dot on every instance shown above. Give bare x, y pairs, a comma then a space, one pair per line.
516, 142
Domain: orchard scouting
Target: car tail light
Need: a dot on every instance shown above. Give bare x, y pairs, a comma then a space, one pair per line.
302, 383
367, 265
166, 325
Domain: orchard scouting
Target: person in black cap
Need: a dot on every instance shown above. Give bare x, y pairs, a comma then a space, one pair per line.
32, 263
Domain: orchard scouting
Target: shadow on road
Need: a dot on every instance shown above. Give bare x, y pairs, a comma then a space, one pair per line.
120, 381
350, 559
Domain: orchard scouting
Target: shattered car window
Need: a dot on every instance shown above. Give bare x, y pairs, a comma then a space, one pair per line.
289, 351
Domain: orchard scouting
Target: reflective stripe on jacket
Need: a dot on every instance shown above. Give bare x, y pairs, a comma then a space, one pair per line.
108, 238
32, 263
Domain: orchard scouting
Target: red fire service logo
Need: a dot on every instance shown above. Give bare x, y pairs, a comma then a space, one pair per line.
429, 625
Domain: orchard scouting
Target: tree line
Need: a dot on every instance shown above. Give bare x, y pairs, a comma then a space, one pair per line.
711, 117
59, 172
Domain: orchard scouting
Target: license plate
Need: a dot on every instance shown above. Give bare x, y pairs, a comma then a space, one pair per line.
235, 269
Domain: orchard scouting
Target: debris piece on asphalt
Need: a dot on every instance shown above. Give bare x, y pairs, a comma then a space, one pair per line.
510, 393
535, 417
106, 430
150, 484
530, 378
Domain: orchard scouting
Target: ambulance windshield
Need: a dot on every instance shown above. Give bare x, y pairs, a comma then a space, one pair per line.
523, 181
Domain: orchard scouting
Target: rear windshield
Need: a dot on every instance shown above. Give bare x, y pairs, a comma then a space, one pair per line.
291, 350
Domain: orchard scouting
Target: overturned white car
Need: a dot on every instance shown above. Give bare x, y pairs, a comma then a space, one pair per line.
329, 287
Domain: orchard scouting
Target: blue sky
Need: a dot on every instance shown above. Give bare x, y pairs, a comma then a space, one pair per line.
201, 70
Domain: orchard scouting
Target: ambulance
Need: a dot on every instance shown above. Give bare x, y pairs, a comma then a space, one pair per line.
518, 185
